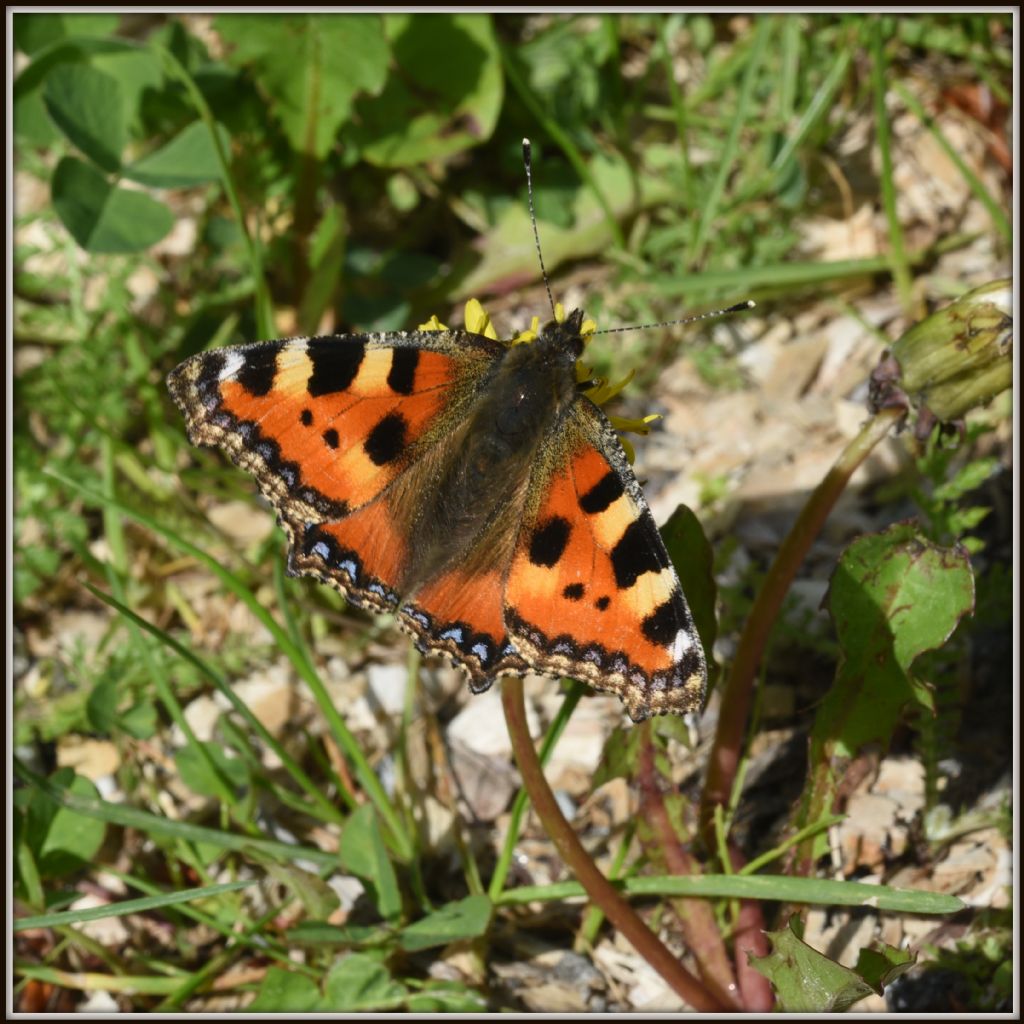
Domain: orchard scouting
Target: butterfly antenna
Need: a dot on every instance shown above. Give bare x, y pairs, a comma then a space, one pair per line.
710, 315
533, 221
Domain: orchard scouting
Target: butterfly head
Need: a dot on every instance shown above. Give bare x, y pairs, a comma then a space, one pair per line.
564, 336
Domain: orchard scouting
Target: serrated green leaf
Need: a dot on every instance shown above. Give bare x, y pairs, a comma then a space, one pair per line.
882, 966
363, 852
893, 596
967, 518
446, 96
806, 981
311, 67
967, 479
188, 159
285, 992
88, 107
464, 919
361, 982
103, 218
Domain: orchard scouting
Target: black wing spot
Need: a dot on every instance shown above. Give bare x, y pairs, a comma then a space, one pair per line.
606, 491
549, 541
402, 375
573, 592
331, 438
306, 417
661, 626
387, 439
637, 552
259, 368
335, 364
602, 602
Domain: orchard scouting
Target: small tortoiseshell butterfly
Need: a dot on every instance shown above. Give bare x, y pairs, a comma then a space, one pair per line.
470, 487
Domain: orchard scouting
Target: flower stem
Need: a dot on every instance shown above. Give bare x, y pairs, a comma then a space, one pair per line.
579, 862
700, 930
501, 870
735, 705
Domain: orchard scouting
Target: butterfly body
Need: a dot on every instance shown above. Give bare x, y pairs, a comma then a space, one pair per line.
467, 486
462, 513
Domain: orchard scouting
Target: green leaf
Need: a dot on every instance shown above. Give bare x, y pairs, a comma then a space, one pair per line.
881, 967
140, 720
618, 758
34, 32
360, 982
446, 96
188, 159
285, 992
311, 67
363, 852
196, 772
315, 895
893, 596
446, 997
509, 251
465, 919
320, 933
137, 71
968, 478
103, 218
35, 566
62, 840
807, 981
31, 122
141, 905
88, 107
693, 559
101, 707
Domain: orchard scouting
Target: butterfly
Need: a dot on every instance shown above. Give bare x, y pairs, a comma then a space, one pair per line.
468, 486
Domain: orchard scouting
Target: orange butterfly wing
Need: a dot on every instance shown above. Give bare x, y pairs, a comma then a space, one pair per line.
326, 424
335, 430
591, 592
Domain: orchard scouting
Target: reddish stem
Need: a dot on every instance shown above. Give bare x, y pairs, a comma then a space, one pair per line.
700, 929
579, 862
750, 940
736, 696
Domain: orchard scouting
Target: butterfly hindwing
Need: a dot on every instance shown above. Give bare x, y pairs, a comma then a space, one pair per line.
591, 592
461, 614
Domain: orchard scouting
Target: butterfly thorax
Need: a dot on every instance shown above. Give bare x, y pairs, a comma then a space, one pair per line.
487, 470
